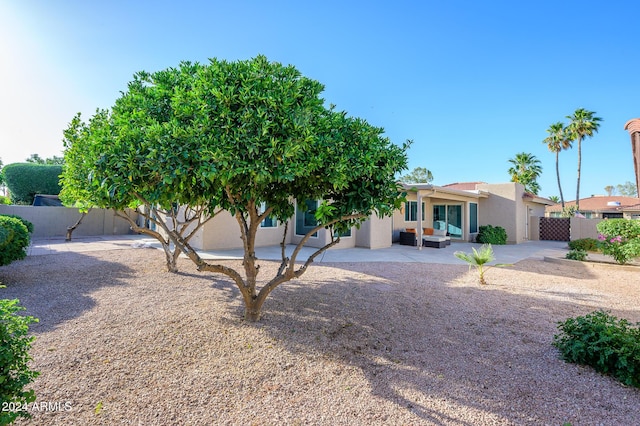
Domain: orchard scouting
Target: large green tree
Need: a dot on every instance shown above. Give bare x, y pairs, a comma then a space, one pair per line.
557, 141
627, 189
236, 136
418, 175
84, 146
525, 169
582, 124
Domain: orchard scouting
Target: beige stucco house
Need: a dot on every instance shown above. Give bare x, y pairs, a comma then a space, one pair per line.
461, 208
222, 232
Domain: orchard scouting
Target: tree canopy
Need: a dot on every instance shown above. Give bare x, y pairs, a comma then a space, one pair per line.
526, 169
558, 140
582, 124
418, 175
36, 159
234, 136
627, 189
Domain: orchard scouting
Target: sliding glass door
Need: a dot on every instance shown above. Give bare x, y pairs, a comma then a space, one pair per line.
449, 217
454, 221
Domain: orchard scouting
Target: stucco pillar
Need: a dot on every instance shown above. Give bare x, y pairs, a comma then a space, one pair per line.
633, 127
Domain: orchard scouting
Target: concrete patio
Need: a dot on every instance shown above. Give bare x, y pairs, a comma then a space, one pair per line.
395, 253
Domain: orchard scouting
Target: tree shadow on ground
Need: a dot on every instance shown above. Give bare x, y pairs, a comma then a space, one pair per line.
484, 349
58, 288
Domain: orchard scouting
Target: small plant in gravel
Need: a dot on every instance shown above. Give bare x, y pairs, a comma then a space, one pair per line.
586, 244
604, 342
576, 254
479, 259
14, 358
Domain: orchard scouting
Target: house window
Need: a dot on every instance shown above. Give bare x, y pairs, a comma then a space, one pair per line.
612, 216
305, 217
269, 221
473, 218
345, 234
411, 211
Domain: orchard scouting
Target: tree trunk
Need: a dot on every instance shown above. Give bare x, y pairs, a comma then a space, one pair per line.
558, 175
579, 164
172, 264
253, 309
72, 228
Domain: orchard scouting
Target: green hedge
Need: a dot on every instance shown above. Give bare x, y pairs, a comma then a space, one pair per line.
25, 180
14, 239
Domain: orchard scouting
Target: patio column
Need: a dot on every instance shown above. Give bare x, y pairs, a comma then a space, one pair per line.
419, 227
633, 127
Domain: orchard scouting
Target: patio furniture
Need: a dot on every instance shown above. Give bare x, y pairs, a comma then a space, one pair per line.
408, 238
435, 242
443, 234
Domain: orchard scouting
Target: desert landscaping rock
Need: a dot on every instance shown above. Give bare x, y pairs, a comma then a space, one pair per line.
123, 342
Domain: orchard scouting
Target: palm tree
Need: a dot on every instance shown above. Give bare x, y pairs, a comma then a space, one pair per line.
610, 190
556, 142
478, 259
583, 123
526, 170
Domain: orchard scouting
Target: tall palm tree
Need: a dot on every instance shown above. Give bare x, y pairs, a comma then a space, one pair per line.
526, 170
582, 123
558, 140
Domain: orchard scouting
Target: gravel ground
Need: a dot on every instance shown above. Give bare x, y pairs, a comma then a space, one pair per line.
120, 341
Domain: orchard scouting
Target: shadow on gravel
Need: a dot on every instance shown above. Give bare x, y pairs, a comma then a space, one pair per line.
54, 289
488, 351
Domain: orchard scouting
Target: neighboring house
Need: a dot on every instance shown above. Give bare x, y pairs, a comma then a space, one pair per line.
461, 208
602, 207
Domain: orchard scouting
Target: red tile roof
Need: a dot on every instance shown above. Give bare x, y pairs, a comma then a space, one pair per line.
463, 186
601, 203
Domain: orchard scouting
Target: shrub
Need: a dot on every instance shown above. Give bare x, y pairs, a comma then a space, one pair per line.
620, 239
576, 254
25, 180
14, 359
626, 228
604, 342
14, 239
24, 221
585, 244
4, 200
489, 234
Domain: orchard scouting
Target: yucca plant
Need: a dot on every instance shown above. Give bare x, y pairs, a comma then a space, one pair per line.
479, 259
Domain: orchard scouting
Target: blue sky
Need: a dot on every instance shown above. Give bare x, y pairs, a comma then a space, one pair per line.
471, 83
